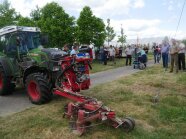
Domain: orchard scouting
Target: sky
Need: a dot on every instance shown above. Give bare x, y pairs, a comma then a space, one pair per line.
142, 18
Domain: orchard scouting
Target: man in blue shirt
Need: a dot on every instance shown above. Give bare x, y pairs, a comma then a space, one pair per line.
165, 52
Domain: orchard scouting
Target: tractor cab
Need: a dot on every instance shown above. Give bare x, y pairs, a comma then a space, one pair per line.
16, 41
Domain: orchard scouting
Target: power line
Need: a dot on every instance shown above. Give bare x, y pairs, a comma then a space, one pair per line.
180, 18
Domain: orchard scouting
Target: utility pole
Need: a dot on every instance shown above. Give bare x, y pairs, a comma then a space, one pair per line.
108, 22
122, 34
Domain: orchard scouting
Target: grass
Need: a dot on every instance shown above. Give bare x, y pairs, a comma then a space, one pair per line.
128, 96
98, 66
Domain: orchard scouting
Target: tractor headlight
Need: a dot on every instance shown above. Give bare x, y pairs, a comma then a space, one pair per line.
55, 68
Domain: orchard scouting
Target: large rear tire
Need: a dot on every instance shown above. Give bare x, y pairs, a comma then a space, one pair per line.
39, 88
6, 87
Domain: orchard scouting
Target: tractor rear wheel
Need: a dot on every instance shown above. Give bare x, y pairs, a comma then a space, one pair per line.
6, 87
39, 88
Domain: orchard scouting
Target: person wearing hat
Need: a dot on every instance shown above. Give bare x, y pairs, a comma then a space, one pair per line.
174, 55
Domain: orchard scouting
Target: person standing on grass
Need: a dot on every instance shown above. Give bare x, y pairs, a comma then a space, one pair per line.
155, 52
174, 55
165, 52
120, 52
128, 52
112, 53
181, 57
105, 55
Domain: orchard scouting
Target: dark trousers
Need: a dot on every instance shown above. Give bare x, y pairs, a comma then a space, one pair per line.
105, 59
181, 61
128, 59
155, 57
165, 60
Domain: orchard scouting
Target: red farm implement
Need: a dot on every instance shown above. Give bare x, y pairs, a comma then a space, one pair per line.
75, 77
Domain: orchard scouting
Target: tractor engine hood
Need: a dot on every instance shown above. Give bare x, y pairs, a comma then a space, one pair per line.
54, 53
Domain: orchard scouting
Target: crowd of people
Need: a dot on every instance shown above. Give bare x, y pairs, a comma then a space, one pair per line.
173, 52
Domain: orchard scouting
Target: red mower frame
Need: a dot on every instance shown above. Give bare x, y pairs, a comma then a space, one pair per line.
75, 77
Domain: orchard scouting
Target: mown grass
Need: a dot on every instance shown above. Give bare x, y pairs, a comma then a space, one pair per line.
129, 96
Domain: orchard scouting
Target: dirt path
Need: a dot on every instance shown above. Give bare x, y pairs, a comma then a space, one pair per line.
19, 101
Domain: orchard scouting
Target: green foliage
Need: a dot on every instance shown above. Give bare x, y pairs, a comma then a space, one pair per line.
90, 28
36, 14
99, 34
60, 27
57, 24
110, 35
7, 14
25, 21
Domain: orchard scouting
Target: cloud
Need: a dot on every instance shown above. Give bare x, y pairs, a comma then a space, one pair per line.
139, 4
101, 8
118, 11
134, 26
24, 7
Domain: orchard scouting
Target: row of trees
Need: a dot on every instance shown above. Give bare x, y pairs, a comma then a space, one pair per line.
60, 26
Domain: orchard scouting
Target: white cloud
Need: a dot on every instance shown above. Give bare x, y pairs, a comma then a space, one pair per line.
139, 4
170, 7
24, 7
132, 27
102, 8
117, 10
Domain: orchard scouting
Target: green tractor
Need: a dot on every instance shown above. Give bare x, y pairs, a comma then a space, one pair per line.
24, 62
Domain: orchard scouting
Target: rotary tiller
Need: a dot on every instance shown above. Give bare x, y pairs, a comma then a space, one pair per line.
73, 78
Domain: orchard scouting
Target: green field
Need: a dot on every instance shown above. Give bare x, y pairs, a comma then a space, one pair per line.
128, 96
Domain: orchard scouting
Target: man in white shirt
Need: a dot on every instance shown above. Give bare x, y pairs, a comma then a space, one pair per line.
128, 52
74, 51
112, 53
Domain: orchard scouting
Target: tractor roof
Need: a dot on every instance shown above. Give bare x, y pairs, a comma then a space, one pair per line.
10, 29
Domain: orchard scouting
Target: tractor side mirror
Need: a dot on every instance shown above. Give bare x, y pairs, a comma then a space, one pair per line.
44, 39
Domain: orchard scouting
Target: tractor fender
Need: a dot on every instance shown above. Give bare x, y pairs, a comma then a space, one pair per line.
6, 65
33, 69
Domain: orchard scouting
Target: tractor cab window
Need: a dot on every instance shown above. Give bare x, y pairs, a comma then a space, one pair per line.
2, 43
11, 45
28, 41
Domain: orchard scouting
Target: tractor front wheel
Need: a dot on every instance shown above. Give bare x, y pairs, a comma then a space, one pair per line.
39, 88
6, 87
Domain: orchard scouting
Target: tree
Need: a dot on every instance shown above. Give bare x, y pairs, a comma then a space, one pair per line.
8, 16
122, 38
110, 35
99, 34
57, 24
85, 22
90, 28
36, 14
25, 21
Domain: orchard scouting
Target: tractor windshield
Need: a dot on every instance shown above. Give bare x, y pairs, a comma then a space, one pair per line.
28, 41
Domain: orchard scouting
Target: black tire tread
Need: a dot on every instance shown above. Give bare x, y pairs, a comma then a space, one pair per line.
44, 86
8, 87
